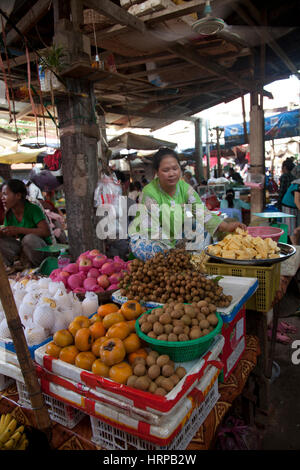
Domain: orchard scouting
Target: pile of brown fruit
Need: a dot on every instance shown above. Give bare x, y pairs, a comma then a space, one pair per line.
169, 277
179, 322
155, 374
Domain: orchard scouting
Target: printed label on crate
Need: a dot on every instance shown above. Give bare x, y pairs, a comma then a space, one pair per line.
233, 358
240, 328
142, 400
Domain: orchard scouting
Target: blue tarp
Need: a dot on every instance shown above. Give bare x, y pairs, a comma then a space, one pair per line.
278, 126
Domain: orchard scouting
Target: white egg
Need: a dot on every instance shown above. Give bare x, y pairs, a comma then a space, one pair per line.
31, 285
35, 335
4, 330
62, 299
26, 318
43, 283
30, 297
43, 316
19, 294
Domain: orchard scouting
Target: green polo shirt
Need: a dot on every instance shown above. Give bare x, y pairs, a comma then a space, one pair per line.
33, 214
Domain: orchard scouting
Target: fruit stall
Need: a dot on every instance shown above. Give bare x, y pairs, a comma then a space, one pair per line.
135, 355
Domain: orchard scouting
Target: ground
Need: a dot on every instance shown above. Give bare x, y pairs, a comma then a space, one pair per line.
283, 425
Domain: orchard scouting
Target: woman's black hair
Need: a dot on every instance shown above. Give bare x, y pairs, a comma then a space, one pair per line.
138, 186
230, 199
131, 186
288, 164
161, 154
17, 186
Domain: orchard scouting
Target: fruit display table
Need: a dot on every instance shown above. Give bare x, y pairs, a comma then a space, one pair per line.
79, 438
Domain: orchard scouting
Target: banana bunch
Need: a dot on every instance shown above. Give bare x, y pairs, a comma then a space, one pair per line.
11, 437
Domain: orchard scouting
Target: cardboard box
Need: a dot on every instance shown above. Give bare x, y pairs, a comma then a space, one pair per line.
235, 343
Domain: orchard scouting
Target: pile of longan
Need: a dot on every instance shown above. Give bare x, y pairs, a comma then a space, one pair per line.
169, 277
155, 374
179, 322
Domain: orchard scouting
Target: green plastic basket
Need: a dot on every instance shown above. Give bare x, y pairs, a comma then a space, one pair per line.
180, 351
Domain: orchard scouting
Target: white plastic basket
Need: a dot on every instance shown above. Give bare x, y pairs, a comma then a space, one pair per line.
58, 411
112, 438
5, 382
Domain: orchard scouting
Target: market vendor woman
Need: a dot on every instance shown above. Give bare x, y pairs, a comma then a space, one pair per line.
25, 226
168, 189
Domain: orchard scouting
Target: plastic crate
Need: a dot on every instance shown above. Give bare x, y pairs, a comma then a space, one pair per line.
268, 281
5, 381
58, 411
111, 438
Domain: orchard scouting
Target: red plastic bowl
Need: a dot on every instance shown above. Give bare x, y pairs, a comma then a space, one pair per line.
266, 232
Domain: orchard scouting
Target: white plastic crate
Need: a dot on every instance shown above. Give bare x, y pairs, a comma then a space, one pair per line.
5, 381
112, 438
58, 411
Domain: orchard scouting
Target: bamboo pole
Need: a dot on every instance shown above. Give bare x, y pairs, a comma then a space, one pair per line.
40, 410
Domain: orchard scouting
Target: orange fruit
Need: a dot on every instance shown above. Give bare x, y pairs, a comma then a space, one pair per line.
131, 324
79, 322
85, 360
68, 354
112, 351
63, 338
83, 339
139, 353
132, 343
53, 350
131, 310
97, 329
95, 318
120, 372
99, 368
112, 318
96, 345
105, 309
118, 330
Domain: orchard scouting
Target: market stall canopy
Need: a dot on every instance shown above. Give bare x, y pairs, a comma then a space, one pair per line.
129, 140
20, 157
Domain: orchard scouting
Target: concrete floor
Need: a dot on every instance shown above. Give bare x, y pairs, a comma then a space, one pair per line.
282, 430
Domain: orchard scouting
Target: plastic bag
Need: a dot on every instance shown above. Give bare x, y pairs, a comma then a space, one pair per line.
108, 191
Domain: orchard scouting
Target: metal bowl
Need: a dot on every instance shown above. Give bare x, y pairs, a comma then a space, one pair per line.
286, 251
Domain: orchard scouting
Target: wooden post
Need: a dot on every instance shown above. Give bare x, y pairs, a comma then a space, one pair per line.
244, 119
198, 151
219, 152
79, 133
257, 150
40, 410
207, 152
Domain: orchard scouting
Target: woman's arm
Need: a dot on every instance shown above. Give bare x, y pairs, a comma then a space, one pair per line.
297, 199
42, 230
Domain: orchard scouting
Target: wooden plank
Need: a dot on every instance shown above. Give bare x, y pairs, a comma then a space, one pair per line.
117, 14
34, 14
20, 60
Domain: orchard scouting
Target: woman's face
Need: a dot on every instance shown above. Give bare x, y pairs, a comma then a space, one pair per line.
169, 171
9, 199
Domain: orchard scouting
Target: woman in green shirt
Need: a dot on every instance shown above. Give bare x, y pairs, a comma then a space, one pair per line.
25, 226
167, 204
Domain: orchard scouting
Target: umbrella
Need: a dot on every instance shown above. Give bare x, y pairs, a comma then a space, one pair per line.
129, 140
44, 179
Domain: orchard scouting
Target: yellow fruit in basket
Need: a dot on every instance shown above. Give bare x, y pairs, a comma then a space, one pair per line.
85, 360
63, 338
120, 372
131, 310
111, 319
118, 330
84, 339
68, 354
99, 368
52, 349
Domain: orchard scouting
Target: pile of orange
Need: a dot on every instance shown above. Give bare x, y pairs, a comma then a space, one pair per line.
105, 344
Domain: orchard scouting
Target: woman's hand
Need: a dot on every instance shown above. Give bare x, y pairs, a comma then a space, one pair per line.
231, 226
11, 231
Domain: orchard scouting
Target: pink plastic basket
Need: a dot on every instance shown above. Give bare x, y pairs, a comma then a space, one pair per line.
266, 232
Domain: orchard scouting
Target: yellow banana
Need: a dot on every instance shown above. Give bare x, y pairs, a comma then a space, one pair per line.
5, 436
15, 438
22, 445
2, 422
6, 421
9, 445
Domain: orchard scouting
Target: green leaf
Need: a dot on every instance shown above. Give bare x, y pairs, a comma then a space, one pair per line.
217, 279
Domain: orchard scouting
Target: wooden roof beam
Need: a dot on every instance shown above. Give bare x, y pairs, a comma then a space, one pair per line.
31, 18
263, 33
